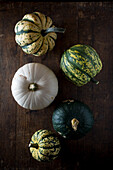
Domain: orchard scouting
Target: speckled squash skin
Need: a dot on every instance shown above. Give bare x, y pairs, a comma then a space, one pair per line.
48, 145
80, 64
29, 34
66, 112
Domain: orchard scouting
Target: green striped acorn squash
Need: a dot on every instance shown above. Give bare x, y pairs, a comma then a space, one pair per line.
80, 64
44, 145
36, 34
72, 119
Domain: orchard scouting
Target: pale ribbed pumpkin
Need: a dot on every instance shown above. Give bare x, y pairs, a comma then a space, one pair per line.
34, 86
36, 34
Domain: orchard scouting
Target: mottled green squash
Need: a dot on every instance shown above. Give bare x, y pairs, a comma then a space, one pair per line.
44, 145
72, 119
36, 34
80, 64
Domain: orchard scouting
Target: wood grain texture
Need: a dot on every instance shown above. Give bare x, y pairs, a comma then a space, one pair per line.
86, 23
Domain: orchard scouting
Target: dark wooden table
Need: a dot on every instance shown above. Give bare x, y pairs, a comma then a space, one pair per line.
86, 23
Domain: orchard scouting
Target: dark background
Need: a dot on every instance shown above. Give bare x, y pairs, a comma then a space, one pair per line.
86, 23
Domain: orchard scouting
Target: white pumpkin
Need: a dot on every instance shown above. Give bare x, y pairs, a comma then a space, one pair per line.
34, 86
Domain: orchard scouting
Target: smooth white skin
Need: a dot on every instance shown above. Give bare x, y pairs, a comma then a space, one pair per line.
43, 77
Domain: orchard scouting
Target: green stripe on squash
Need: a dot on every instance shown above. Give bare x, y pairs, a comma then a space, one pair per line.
34, 47
27, 31
30, 21
69, 73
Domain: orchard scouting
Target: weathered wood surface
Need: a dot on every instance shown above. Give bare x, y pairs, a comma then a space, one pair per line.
87, 23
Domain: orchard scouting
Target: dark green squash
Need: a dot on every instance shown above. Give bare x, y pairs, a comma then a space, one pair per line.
44, 145
72, 119
80, 64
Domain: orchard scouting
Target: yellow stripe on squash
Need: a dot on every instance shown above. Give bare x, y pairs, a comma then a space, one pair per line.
32, 17
26, 26
34, 47
26, 38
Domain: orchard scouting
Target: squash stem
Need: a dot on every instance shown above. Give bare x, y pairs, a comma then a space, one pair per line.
94, 81
33, 87
33, 145
54, 29
74, 123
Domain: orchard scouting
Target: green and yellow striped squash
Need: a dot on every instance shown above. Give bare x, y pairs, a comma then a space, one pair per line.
44, 145
80, 64
36, 34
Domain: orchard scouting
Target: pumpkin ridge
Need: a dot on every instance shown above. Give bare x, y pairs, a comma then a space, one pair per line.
49, 156
49, 48
97, 60
91, 61
25, 46
49, 22
52, 155
71, 75
50, 147
52, 37
38, 17
26, 25
83, 53
50, 44
78, 67
92, 50
41, 152
31, 22
29, 38
39, 50
21, 93
27, 31
46, 20
52, 34
26, 98
39, 158
35, 47
46, 136
50, 25
40, 133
